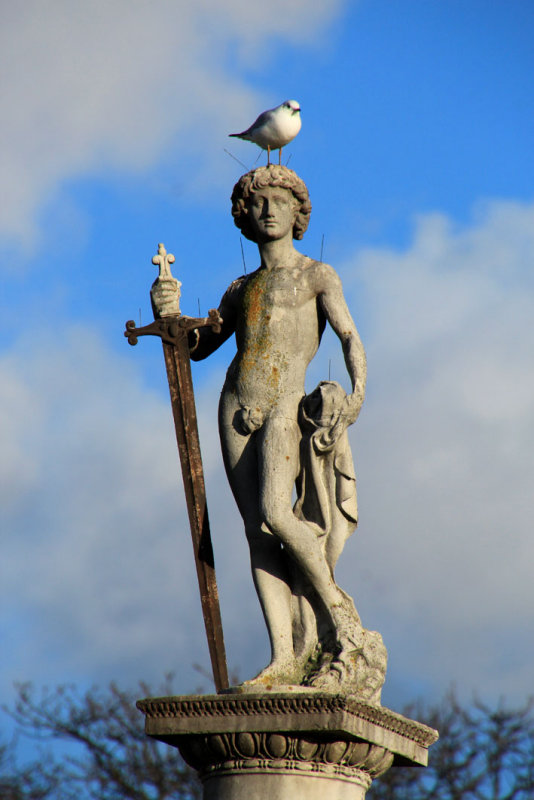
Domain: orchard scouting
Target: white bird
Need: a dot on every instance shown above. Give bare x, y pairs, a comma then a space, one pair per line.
274, 128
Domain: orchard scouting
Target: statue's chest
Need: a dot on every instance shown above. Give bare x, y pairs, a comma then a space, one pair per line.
272, 292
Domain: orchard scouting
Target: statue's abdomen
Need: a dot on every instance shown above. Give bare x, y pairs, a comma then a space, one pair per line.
277, 335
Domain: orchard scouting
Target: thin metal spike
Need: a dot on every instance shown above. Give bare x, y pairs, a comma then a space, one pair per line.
322, 247
243, 254
234, 157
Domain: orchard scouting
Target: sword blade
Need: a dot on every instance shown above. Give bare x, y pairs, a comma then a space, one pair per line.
178, 367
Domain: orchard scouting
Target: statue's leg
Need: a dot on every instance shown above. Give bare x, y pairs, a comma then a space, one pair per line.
278, 451
268, 561
340, 531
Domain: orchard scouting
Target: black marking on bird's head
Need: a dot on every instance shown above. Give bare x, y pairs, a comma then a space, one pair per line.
292, 105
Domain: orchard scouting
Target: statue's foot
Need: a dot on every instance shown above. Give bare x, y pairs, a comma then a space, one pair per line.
336, 671
337, 667
277, 673
328, 680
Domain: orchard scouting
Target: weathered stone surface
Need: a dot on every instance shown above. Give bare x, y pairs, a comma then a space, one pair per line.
286, 746
274, 438
165, 291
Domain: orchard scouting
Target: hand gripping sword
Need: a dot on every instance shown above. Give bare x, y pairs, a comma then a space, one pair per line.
172, 327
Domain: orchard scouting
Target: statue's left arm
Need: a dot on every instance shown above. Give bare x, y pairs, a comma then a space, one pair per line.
332, 302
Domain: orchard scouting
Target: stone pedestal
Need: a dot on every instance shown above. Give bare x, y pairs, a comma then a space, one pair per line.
290, 746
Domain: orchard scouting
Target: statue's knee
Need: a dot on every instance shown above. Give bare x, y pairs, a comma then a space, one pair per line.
258, 534
277, 521
272, 519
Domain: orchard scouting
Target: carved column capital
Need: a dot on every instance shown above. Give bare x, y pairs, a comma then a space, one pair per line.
282, 745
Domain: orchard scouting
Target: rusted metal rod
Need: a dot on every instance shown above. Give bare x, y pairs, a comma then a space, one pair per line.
173, 331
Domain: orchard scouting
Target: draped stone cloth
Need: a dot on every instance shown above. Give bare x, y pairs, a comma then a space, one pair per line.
326, 500
326, 486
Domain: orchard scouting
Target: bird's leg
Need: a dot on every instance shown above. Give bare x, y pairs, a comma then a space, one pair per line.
280, 156
268, 155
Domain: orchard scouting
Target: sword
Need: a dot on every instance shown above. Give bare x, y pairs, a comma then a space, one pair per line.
173, 327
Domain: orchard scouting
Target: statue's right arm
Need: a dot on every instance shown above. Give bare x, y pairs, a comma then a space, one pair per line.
204, 341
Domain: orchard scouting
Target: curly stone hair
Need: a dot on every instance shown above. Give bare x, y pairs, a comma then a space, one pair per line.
273, 175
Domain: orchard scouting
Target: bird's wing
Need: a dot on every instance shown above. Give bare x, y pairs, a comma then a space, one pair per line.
262, 120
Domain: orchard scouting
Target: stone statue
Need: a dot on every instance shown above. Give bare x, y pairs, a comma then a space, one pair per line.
274, 438
310, 725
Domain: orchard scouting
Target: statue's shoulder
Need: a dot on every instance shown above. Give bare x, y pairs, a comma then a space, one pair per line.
239, 283
323, 275
236, 287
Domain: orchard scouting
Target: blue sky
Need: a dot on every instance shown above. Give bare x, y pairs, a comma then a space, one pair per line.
416, 147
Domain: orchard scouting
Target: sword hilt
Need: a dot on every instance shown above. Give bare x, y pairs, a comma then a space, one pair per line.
173, 329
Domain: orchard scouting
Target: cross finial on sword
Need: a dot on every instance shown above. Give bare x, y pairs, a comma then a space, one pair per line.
163, 260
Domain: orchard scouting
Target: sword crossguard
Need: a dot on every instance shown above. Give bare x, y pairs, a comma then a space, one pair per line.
173, 329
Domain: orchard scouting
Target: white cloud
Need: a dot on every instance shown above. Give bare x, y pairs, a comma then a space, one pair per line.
445, 449
97, 565
96, 555
101, 86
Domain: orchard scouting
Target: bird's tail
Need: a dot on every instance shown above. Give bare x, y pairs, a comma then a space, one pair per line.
243, 135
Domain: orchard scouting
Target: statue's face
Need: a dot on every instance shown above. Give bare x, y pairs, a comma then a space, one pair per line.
272, 212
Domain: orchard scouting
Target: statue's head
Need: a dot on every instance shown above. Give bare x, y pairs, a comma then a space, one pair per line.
276, 176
